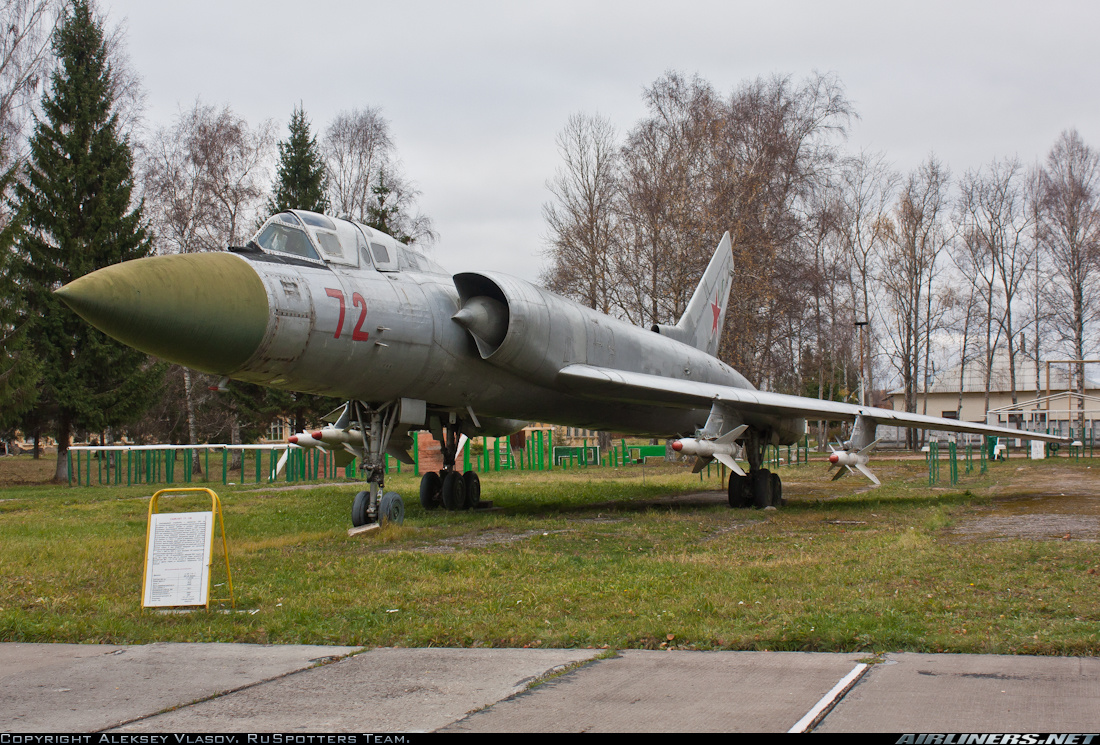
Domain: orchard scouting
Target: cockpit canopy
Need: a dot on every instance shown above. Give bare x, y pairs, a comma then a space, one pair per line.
329, 240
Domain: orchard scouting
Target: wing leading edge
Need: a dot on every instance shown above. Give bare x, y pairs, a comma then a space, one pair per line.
587, 380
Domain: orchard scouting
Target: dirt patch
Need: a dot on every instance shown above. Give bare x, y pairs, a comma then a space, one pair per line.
477, 540
1038, 517
24, 470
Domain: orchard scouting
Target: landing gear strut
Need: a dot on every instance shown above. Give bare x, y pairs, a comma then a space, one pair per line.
759, 487
449, 487
375, 504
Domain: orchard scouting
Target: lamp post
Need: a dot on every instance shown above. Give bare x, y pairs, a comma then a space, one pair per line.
862, 382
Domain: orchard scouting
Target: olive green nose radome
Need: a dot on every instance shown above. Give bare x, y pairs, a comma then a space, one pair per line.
205, 311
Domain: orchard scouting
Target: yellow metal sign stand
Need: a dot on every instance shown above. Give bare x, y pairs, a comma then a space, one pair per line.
216, 510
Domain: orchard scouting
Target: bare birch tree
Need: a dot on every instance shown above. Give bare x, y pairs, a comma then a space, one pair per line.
1070, 234
204, 179
582, 220
996, 220
24, 61
206, 176
913, 251
869, 185
357, 145
365, 180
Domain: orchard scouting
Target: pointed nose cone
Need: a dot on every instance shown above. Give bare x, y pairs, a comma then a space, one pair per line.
205, 311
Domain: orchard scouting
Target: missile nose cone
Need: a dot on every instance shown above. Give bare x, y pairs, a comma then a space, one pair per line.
834, 458
205, 311
315, 435
293, 439
677, 445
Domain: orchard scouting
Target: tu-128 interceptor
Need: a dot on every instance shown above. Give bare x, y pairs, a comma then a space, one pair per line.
328, 306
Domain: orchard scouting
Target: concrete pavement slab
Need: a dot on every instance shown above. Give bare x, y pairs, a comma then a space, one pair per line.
650, 691
87, 687
972, 693
403, 690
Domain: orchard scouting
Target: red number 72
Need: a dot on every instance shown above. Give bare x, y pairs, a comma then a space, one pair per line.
358, 301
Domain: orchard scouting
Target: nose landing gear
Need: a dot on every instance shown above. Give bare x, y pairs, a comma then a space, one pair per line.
375, 504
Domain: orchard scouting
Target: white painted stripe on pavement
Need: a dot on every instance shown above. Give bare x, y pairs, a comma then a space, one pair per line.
829, 699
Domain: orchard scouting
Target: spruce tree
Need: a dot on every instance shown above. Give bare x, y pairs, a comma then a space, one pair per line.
384, 214
75, 216
19, 369
300, 182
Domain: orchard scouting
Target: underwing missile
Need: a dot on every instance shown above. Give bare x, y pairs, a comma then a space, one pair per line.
304, 440
853, 461
705, 450
335, 436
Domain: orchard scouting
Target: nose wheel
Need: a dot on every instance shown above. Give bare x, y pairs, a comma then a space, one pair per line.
374, 504
391, 508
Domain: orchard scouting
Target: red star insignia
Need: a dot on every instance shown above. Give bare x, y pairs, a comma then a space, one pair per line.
717, 312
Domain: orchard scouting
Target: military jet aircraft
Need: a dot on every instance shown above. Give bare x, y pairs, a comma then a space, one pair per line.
323, 305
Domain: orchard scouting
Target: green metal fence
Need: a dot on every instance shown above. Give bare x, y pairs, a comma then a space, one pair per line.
185, 464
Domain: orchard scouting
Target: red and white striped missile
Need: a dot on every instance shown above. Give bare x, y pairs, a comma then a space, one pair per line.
304, 440
704, 448
844, 458
720, 449
335, 436
850, 461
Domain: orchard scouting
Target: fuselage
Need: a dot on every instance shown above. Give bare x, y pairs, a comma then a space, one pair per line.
341, 322
376, 336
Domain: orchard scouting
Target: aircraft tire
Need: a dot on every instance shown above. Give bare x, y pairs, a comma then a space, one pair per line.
777, 490
359, 507
761, 488
740, 496
473, 489
391, 508
454, 491
431, 488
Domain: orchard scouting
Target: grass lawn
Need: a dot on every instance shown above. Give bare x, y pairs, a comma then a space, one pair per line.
588, 558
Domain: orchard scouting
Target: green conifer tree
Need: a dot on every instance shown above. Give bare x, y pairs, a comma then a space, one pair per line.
300, 181
300, 184
75, 216
19, 368
384, 214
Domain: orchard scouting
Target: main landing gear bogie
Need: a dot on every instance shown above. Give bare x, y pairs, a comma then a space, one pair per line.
451, 490
760, 488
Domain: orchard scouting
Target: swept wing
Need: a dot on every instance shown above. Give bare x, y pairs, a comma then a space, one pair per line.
634, 387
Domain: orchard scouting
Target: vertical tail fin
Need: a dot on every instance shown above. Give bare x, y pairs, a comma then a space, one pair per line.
701, 324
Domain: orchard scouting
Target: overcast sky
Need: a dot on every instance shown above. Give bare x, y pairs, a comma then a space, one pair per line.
475, 92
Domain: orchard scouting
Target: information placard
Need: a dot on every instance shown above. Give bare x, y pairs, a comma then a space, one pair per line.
177, 558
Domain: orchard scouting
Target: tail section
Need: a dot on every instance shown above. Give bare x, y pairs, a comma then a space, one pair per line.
701, 324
